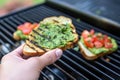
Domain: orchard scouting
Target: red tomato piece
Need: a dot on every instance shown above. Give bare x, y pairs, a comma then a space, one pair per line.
94, 38
27, 27
106, 39
108, 45
85, 33
92, 31
27, 24
26, 31
20, 27
98, 44
101, 40
88, 42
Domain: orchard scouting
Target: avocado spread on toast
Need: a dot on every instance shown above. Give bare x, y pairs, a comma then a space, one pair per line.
96, 51
53, 35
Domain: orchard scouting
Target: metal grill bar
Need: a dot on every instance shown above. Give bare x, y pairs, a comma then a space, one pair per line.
8, 21
2, 53
107, 68
15, 21
6, 38
19, 19
7, 26
81, 67
5, 45
7, 32
117, 56
45, 75
116, 61
73, 69
88, 64
72, 78
54, 73
110, 64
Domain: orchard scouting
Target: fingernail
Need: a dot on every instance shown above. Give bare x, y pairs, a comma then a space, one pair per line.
58, 53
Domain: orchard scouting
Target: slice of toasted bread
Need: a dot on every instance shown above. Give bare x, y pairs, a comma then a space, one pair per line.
31, 49
15, 36
88, 54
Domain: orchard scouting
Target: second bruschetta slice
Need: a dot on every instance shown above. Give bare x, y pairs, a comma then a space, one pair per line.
94, 44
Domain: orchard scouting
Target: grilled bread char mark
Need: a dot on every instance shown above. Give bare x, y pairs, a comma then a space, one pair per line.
31, 47
39, 34
33, 42
61, 20
42, 36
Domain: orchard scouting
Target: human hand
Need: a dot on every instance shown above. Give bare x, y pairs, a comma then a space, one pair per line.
15, 67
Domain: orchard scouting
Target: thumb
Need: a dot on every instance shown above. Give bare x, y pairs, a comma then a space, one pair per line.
18, 51
47, 58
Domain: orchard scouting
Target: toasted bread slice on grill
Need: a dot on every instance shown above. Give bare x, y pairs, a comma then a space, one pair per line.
33, 48
93, 45
88, 54
24, 30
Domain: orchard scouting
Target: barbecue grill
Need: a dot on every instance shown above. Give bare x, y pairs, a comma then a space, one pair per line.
72, 65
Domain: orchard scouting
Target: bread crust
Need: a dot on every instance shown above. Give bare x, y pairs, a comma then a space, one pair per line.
37, 51
15, 36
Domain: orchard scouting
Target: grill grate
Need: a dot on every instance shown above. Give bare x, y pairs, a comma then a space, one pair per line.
71, 66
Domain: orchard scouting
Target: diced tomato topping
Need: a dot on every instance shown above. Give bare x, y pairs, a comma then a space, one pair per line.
20, 27
27, 24
92, 31
85, 33
96, 40
88, 39
27, 27
106, 39
26, 31
88, 42
98, 44
101, 40
108, 45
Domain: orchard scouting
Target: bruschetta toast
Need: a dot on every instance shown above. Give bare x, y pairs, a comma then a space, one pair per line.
95, 44
52, 32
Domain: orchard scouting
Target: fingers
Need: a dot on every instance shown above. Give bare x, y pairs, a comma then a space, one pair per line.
17, 51
48, 58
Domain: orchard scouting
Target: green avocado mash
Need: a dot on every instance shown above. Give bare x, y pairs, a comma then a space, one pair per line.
53, 35
102, 49
21, 35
